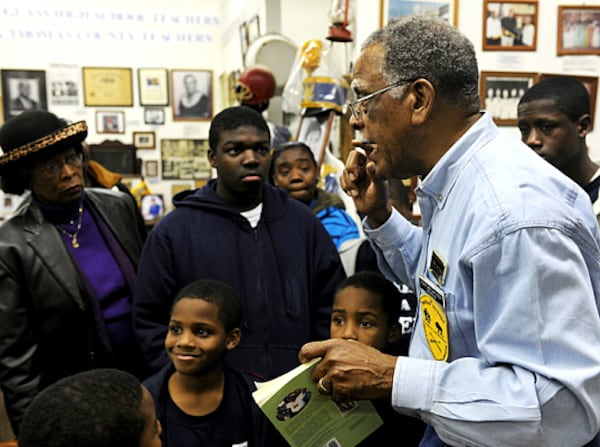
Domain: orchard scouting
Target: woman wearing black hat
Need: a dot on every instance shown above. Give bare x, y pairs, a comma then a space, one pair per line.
68, 260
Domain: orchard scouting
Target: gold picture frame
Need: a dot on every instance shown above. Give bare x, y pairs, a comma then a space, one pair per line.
107, 87
392, 9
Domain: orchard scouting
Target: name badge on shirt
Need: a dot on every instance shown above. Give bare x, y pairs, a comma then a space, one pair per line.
438, 267
433, 318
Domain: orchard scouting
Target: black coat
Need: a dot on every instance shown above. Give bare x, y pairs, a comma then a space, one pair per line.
46, 329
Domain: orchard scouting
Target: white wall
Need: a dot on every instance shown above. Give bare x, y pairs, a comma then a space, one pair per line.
204, 34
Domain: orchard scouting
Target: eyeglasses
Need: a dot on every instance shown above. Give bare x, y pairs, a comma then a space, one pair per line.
354, 104
54, 167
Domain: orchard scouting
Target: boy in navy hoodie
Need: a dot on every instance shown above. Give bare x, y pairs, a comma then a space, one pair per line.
272, 250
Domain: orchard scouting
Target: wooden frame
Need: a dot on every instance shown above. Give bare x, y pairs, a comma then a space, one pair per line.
590, 83
399, 8
110, 121
116, 156
501, 91
107, 87
510, 25
153, 84
184, 159
144, 140
194, 84
151, 168
30, 84
154, 115
578, 30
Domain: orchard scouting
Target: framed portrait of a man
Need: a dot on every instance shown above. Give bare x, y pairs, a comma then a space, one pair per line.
192, 95
23, 90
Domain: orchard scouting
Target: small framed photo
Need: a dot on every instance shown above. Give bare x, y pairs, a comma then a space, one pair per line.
510, 26
590, 83
110, 121
578, 30
253, 29
501, 92
151, 168
153, 206
184, 159
108, 87
244, 41
23, 90
393, 9
154, 115
192, 95
144, 140
154, 86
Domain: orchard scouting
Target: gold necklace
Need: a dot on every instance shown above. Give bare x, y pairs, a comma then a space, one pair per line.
73, 236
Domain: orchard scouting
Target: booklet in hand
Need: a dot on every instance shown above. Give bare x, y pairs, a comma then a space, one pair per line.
305, 417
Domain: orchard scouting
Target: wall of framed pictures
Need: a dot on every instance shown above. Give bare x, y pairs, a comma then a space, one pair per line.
68, 63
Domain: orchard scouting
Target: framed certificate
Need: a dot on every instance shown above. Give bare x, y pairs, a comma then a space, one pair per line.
154, 86
111, 87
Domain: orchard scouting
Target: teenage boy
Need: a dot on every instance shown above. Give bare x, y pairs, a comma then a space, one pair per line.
270, 249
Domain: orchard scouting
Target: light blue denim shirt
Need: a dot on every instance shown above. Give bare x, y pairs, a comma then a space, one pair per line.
522, 248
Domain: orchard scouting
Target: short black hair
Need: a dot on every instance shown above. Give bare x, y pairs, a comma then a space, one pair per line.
287, 146
96, 408
569, 95
377, 284
218, 293
233, 118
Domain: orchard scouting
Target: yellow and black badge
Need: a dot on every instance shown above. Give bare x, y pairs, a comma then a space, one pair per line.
433, 316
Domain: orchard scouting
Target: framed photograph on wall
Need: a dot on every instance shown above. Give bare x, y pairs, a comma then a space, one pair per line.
501, 91
192, 95
108, 87
244, 41
590, 83
23, 90
154, 115
151, 168
144, 140
184, 159
253, 29
153, 206
109, 121
578, 30
392, 9
154, 86
510, 26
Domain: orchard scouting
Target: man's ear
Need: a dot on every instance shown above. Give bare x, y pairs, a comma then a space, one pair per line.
584, 125
422, 95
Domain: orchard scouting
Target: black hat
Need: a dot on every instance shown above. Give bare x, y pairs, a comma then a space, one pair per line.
37, 131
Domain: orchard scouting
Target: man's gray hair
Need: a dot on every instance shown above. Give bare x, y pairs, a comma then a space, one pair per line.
430, 48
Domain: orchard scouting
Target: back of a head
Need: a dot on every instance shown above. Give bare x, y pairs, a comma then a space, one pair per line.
233, 118
218, 293
569, 95
96, 408
429, 47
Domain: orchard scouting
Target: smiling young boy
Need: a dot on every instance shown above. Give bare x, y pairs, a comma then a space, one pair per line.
199, 399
